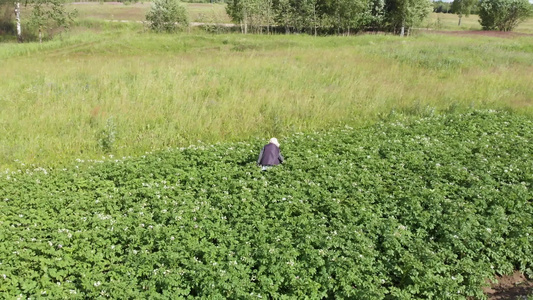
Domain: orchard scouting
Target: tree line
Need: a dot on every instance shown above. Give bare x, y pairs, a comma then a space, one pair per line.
341, 17
349, 16
328, 16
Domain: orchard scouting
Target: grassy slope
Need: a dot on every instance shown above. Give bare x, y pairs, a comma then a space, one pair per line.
170, 90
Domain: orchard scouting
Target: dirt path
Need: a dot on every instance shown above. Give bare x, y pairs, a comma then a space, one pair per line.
515, 286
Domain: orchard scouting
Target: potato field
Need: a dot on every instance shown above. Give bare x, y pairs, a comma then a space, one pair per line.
408, 208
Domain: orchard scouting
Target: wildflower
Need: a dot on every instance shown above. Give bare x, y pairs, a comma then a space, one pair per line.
290, 263
98, 283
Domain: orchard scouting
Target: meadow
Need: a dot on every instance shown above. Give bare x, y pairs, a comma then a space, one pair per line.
127, 162
123, 91
449, 22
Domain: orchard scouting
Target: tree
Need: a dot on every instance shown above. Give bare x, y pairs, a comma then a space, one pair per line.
503, 15
167, 15
374, 14
404, 14
283, 14
49, 14
17, 19
463, 7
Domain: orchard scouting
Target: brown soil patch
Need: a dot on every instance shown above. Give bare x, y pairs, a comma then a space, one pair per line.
515, 286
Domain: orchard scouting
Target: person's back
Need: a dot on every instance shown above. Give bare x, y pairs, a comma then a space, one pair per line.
270, 154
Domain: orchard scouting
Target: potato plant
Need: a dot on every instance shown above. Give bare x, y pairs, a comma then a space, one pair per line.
406, 209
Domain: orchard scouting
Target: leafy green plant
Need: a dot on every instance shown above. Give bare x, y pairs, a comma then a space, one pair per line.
108, 136
167, 16
503, 15
413, 207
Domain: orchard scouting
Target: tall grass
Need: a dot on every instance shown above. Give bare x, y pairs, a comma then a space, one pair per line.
442, 21
198, 12
125, 94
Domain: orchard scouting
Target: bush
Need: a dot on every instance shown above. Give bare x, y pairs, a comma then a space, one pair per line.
503, 15
167, 15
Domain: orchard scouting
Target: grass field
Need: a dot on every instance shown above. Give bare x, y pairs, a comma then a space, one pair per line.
127, 163
126, 92
441, 21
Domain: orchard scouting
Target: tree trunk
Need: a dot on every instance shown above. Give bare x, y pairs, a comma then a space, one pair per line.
245, 22
40, 35
460, 17
402, 31
314, 17
268, 16
17, 18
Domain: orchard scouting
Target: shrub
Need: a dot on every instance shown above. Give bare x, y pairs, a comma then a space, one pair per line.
167, 15
503, 15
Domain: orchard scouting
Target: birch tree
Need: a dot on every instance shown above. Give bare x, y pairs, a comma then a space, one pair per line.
404, 14
43, 14
49, 14
462, 8
17, 20
284, 14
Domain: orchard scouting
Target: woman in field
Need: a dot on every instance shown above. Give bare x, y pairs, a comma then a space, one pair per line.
270, 155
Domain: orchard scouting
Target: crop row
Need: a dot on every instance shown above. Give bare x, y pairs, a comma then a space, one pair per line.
425, 208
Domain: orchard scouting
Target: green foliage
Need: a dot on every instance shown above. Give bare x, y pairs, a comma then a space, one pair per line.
108, 136
329, 16
7, 25
463, 7
442, 7
167, 16
407, 209
45, 17
503, 15
405, 13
